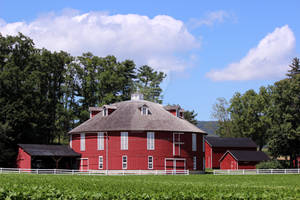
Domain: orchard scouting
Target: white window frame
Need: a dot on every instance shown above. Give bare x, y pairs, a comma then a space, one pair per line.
194, 142
144, 110
124, 140
100, 162
82, 141
194, 163
150, 141
124, 163
105, 112
178, 142
100, 141
150, 163
203, 144
70, 140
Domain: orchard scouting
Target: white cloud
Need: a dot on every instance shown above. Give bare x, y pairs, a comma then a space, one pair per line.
154, 41
211, 18
268, 60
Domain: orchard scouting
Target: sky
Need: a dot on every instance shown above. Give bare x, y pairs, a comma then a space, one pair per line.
208, 49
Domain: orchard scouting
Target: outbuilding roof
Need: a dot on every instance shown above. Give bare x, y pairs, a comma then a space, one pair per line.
128, 117
247, 155
48, 150
230, 142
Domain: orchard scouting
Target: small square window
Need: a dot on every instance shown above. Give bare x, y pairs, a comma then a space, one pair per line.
124, 162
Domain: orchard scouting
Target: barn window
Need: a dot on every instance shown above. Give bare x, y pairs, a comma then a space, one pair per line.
150, 162
124, 140
194, 163
203, 144
124, 162
145, 110
105, 112
82, 141
100, 138
194, 142
70, 142
150, 141
100, 162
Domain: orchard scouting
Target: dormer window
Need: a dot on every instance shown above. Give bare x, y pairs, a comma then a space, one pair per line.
145, 110
105, 112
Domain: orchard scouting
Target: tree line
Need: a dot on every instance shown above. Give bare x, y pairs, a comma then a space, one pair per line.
270, 117
45, 94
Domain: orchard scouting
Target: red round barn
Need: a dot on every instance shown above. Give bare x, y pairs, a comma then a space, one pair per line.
137, 135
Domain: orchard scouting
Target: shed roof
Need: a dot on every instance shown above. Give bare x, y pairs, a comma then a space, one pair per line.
247, 155
48, 150
230, 142
127, 117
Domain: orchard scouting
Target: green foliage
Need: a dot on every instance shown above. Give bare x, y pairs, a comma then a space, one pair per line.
190, 116
150, 187
44, 94
148, 83
272, 164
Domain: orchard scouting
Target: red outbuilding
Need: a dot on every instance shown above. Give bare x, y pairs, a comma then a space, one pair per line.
138, 135
41, 156
234, 160
216, 147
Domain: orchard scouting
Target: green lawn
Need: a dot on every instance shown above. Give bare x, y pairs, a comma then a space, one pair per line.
15, 186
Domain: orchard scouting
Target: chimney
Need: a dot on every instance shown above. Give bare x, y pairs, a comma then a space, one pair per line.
137, 96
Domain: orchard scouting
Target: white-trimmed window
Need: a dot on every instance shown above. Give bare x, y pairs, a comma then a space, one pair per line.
150, 162
124, 162
124, 140
70, 142
145, 110
194, 142
105, 112
82, 141
150, 141
100, 141
203, 144
194, 163
100, 165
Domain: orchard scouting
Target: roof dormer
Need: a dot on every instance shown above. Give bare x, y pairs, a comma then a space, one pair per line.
175, 110
145, 110
108, 109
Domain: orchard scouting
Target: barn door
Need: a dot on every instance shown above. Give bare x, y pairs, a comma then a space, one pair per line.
169, 165
84, 164
180, 165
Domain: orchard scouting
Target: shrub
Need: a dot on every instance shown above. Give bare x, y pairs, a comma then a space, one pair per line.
272, 164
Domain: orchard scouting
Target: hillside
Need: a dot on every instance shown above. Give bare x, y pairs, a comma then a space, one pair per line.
208, 126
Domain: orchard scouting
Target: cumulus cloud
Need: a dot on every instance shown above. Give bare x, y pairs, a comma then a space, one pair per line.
268, 60
211, 18
153, 41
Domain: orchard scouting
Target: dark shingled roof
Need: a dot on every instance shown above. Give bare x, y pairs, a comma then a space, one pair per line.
248, 155
48, 150
127, 117
230, 142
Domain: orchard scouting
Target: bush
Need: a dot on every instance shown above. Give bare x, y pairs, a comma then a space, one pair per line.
272, 164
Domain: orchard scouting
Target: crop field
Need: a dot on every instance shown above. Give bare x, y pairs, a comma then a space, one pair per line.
15, 186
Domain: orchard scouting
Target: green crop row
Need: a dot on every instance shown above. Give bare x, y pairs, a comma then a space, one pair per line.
149, 187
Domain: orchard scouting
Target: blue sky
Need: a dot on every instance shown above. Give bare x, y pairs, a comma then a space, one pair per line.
209, 49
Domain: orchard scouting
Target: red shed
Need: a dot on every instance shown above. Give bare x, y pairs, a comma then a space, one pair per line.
242, 159
215, 147
138, 135
41, 156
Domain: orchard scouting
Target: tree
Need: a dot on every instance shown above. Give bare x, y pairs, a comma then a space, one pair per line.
190, 116
295, 68
285, 116
148, 83
221, 113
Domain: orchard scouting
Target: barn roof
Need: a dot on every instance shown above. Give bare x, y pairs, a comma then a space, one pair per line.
230, 142
48, 150
127, 117
247, 155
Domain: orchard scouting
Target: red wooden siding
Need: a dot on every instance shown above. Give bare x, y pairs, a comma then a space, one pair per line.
137, 153
23, 159
208, 156
229, 162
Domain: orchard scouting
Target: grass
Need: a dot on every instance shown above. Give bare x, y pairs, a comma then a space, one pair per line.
150, 187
